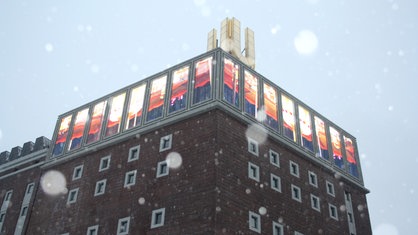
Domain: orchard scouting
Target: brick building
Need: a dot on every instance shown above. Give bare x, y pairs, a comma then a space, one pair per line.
208, 146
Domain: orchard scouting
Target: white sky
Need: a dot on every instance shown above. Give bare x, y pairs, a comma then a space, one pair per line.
353, 61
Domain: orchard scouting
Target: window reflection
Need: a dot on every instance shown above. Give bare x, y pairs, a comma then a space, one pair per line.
351, 157
178, 99
321, 138
96, 122
202, 80
136, 103
115, 115
156, 98
231, 82
250, 93
270, 106
62, 135
288, 109
78, 129
336, 147
305, 128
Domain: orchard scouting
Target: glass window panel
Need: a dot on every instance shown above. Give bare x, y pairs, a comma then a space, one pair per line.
62, 135
156, 98
305, 128
115, 115
231, 82
288, 108
336, 147
351, 157
270, 106
251, 93
136, 103
179, 84
321, 138
96, 122
78, 129
202, 80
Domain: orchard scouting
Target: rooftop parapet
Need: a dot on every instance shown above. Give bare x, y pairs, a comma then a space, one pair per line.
28, 148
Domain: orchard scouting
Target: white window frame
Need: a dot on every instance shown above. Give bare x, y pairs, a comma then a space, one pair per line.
127, 177
72, 196
279, 226
94, 229
252, 146
155, 213
2, 216
132, 156
8, 196
78, 172
160, 165
120, 224
96, 193
169, 139
318, 203
254, 222
297, 189
30, 188
277, 188
333, 212
102, 161
274, 158
253, 171
24, 211
294, 168
330, 188
313, 179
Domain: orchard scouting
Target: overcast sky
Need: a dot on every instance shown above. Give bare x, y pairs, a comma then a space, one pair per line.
353, 61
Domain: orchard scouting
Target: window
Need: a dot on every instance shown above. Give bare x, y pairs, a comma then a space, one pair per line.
250, 94
313, 179
133, 153
78, 172
136, 103
2, 216
114, 117
202, 80
231, 82
24, 211
157, 219
100, 187
305, 127
179, 84
315, 203
288, 111
270, 106
130, 178
72, 196
252, 146
330, 189
96, 122
104, 163
294, 169
350, 217
78, 129
275, 183
336, 147
8, 196
162, 169
62, 135
333, 213
156, 98
321, 138
165, 142
296, 193
277, 229
29, 189
93, 230
253, 172
123, 226
254, 221
274, 158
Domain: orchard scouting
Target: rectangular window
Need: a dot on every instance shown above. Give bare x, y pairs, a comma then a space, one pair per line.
8, 196
274, 158
2, 217
29, 188
250, 94
253, 172
288, 109
277, 229
114, 118
333, 213
336, 147
252, 146
96, 122
157, 219
72, 196
254, 221
136, 103
296, 193
130, 178
24, 211
62, 135
330, 188
313, 179
350, 154
162, 169
165, 142
315, 203
231, 82
179, 85
270, 106
78, 129
78, 172
133, 153
202, 80
275, 183
321, 138
305, 126
104, 163
93, 230
123, 226
156, 98
294, 169
100, 187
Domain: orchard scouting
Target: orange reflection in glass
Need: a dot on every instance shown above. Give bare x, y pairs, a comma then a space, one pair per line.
136, 103
78, 129
96, 122
115, 115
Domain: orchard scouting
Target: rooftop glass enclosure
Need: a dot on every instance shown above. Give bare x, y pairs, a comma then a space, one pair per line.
213, 77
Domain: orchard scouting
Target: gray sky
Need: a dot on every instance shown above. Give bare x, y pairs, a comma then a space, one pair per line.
353, 61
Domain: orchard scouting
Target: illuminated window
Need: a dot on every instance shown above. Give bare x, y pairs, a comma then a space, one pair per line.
123, 226
330, 188
78, 172
313, 179
350, 154
104, 163
96, 122
156, 98
296, 193
254, 221
336, 147
294, 169
288, 109
100, 187
252, 146
93, 230
275, 183
179, 84
231, 82
162, 169
115, 115
157, 218
202, 80
250, 93
165, 142
253, 172
62, 135
321, 138
78, 129
72, 196
270, 106
274, 158
130, 178
305, 128
333, 213
136, 103
277, 229
133, 153
315, 203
